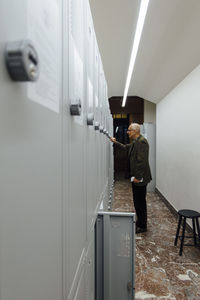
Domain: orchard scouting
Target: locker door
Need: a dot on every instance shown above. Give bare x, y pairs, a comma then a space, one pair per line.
90, 145
97, 119
30, 157
77, 139
90, 276
101, 114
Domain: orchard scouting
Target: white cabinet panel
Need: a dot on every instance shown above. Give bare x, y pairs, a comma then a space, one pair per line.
30, 174
77, 88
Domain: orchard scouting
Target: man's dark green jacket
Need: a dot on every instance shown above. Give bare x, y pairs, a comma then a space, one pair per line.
138, 155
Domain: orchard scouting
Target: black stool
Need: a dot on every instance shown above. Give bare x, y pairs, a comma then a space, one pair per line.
191, 214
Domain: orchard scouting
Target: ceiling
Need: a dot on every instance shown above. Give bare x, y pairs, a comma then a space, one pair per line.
169, 47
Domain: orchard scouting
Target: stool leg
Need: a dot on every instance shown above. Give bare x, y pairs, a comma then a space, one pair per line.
177, 232
182, 238
198, 229
194, 232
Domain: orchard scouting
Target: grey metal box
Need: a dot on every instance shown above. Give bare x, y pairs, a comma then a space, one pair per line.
115, 256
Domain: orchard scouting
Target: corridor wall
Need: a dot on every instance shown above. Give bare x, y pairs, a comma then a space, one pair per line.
56, 170
178, 144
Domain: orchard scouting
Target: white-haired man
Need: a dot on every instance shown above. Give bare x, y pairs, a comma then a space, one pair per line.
140, 173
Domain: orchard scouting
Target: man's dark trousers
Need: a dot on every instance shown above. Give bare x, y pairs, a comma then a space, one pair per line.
139, 200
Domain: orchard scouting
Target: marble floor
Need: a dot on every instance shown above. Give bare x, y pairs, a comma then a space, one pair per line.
160, 272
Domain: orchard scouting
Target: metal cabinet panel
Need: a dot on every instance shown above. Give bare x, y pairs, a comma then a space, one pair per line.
116, 232
31, 169
77, 188
55, 170
99, 251
90, 269
91, 154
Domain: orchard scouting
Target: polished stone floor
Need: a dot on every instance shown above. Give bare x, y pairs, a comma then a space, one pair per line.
160, 272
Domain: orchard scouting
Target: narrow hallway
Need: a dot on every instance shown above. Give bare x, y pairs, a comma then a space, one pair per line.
160, 272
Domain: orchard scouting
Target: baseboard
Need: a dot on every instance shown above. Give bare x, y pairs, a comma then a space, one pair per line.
171, 208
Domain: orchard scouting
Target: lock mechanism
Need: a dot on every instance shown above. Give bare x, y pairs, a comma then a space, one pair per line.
75, 108
96, 125
22, 61
90, 118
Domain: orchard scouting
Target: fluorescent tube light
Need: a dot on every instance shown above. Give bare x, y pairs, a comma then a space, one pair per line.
138, 33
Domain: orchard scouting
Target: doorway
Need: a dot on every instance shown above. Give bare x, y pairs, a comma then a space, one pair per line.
120, 127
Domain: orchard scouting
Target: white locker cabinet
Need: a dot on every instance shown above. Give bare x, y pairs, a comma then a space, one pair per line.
76, 177
31, 155
97, 119
90, 268
90, 133
55, 169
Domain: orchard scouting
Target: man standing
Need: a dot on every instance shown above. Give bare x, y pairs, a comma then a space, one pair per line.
138, 154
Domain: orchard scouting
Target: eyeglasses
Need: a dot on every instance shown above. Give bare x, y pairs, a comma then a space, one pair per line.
130, 130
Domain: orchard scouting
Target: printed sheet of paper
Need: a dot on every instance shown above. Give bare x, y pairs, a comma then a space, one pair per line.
43, 31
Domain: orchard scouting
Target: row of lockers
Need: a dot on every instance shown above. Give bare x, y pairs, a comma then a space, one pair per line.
56, 158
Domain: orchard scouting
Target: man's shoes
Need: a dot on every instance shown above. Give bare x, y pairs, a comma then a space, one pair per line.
139, 229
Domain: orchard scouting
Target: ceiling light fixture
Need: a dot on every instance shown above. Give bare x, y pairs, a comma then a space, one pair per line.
138, 33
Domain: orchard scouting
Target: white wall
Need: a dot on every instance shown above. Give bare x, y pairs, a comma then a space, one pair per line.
178, 144
149, 112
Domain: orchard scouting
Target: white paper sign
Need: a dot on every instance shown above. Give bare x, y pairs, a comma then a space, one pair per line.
43, 31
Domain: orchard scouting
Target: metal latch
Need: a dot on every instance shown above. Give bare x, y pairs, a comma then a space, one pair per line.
90, 119
22, 61
96, 125
75, 108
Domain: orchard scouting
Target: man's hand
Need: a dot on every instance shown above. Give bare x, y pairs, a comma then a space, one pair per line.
113, 139
136, 180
